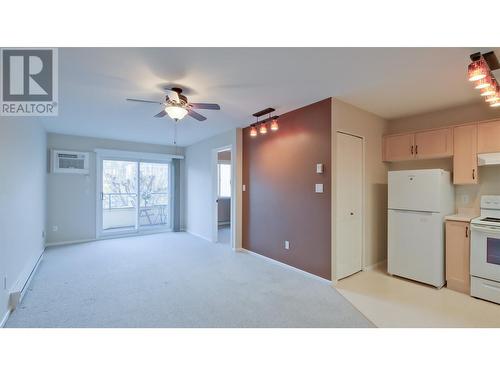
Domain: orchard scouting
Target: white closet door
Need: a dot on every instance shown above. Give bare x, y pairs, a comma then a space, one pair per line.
349, 198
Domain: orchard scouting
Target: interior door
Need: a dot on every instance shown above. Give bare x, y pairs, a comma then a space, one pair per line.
349, 198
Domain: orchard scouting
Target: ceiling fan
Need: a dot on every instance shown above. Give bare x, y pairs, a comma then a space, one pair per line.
177, 106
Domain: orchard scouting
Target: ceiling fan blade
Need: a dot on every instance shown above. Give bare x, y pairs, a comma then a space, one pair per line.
205, 106
143, 101
161, 114
196, 115
173, 96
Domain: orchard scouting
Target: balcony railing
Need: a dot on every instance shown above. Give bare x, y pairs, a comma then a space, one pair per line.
119, 210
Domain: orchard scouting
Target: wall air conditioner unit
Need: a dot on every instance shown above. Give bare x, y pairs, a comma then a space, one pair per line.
70, 162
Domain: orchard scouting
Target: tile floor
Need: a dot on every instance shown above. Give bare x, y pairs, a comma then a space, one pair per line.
395, 302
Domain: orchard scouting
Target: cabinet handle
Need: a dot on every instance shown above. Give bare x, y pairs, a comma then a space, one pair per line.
411, 149
416, 149
466, 232
473, 174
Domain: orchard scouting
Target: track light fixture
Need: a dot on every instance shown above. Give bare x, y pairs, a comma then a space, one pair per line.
253, 131
480, 73
262, 125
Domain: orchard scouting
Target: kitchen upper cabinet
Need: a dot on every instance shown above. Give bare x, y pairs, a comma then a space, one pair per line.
465, 155
488, 137
457, 256
398, 147
433, 144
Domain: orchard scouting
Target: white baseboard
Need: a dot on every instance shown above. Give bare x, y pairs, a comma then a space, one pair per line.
199, 236
375, 265
50, 244
20, 287
285, 265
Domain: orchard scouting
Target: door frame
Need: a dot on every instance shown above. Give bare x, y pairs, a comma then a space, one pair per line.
215, 193
363, 203
138, 157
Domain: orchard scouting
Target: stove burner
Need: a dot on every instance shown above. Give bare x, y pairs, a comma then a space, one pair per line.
491, 219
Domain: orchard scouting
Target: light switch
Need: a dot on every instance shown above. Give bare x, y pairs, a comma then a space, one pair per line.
319, 188
319, 168
244, 188
287, 245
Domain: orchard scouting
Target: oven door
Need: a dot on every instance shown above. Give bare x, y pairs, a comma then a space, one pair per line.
485, 252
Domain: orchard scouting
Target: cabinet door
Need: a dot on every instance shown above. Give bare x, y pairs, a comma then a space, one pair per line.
465, 155
434, 143
488, 137
398, 147
457, 256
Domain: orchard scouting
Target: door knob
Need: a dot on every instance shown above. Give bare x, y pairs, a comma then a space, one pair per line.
351, 213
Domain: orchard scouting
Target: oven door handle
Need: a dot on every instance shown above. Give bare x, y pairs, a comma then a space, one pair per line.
490, 230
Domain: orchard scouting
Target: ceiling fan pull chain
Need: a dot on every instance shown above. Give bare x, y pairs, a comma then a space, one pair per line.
175, 137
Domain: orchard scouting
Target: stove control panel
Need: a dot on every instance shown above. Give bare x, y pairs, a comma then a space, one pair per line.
490, 202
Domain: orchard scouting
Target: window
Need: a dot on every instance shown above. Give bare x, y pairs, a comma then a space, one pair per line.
224, 173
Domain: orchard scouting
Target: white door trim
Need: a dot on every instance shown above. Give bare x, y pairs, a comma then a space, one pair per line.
136, 157
363, 202
214, 195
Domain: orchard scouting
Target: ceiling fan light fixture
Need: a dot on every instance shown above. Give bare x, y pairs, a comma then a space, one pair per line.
176, 112
477, 70
274, 125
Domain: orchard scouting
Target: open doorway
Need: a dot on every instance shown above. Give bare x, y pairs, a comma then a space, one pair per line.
223, 196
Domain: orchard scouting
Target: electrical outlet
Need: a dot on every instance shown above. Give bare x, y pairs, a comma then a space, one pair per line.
465, 198
55, 228
287, 245
318, 188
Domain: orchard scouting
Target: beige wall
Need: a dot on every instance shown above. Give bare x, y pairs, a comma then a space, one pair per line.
451, 116
71, 198
466, 196
349, 119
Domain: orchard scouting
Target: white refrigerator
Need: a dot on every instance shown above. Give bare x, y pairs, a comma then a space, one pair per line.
418, 201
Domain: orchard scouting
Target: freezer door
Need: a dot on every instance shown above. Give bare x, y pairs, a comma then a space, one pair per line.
418, 190
416, 246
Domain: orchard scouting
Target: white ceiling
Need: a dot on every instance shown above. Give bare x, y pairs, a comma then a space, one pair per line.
390, 82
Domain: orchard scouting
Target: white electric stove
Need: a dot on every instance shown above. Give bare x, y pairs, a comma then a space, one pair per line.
485, 250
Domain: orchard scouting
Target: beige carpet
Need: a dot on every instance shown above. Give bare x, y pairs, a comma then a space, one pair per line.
175, 280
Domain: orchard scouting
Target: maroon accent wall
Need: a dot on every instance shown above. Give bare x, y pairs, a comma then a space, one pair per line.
279, 171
